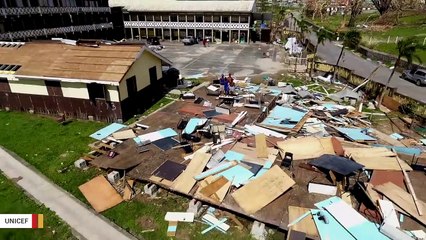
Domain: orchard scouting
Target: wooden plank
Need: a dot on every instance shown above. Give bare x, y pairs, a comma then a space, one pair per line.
381, 163
219, 195
186, 181
297, 146
100, 194
403, 199
127, 195
261, 148
306, 225
302, 122
126, 134
214, 186
171, 229
263, 190
179, 216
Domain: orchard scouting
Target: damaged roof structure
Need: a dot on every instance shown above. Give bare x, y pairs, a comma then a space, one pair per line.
308, 166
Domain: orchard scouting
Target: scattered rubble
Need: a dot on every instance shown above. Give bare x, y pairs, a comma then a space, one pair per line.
273, 154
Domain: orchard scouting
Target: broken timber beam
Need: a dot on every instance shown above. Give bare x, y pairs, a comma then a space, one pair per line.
410, 186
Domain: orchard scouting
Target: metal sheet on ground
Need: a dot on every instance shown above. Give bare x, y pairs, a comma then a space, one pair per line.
166, 143
337, 164
169, 170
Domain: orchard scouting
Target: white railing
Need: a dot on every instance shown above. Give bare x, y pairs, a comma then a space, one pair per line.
51, 31
50, 10
183, 25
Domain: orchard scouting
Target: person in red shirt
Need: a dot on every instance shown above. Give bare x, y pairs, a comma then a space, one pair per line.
231, 83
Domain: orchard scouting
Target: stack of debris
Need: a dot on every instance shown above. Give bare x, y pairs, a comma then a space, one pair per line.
278, 161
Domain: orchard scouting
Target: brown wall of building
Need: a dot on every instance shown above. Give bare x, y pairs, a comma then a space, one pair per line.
100, 109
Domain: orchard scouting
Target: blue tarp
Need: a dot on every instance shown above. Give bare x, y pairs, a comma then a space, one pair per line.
355, 134
403, 150
283, 117
192, 125
106, 131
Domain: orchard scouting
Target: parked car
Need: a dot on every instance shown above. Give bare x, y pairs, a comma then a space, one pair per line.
418, 76
189, 40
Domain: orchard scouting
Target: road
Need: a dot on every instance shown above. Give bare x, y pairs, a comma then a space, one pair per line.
330, 51
85, 222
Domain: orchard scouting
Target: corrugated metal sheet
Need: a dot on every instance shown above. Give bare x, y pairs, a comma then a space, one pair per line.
175, 6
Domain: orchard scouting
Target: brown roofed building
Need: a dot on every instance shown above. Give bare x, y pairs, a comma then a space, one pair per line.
108, 82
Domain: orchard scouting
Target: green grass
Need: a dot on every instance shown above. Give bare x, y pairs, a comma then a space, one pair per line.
49, 147
391, 49
15, 201
157, 105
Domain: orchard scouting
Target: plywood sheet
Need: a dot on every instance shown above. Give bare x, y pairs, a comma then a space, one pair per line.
261, 148
127, 195
263, 190
214, 186
307, 147
219, 195
403, 199
380, 177
306, 225
376, 158
126, 134
100, 194
186, 181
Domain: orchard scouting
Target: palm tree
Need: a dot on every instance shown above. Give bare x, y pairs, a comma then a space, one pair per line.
322, 36
406, 48
351, 39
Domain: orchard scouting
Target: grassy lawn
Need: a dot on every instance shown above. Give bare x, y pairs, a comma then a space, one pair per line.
50, 147
383, 38
14, 201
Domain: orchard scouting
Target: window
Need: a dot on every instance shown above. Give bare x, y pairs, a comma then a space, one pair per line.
4, 85
153, 75
225, 19
54, 88
421, 73
199, 18
96, 91
132, 89
165, 18
182, 18
173, 18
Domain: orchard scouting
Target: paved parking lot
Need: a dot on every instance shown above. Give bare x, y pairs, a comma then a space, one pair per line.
240, 60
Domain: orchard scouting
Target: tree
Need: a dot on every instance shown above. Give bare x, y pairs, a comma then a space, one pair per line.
278, 18
351, 40
322, 36
383, 6
356, 9
406, 48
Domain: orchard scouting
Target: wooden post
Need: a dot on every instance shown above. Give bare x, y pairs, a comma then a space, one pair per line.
388, 39
396, 40
410, 187
424, 41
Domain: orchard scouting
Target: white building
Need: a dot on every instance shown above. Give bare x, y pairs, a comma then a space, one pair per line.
223, 20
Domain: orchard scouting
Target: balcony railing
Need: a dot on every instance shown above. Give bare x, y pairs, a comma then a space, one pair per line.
52, 31
51, 10
184, 25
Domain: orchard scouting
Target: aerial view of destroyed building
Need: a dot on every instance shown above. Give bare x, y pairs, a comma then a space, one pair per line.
213, 119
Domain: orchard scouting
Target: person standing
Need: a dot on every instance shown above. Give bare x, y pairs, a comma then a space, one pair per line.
231, 83
222, 81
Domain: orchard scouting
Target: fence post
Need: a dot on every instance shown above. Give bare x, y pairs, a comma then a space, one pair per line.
369, 42
396, 40
424, 41
388, 39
